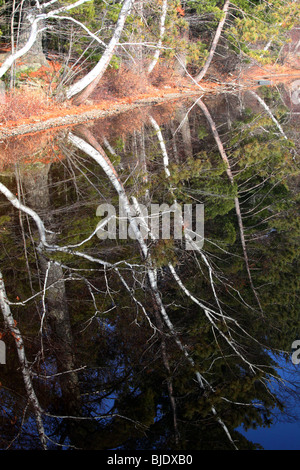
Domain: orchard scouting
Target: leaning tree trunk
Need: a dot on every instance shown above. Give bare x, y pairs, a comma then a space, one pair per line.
11, 324
224, 157
183, 118
32, 30
84, 87
214, 43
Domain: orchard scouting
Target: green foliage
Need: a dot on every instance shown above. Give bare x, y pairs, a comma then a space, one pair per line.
163, 252
259, 23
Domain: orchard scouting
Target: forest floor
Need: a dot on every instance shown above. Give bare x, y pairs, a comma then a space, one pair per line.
30, 112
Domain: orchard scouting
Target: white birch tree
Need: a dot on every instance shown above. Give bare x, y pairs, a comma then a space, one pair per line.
162, 29
82, 89
214, 44
35, 19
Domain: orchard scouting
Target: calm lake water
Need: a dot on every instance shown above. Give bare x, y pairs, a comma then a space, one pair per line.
151, 263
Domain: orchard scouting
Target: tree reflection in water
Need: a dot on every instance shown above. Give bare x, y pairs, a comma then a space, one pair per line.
140, 343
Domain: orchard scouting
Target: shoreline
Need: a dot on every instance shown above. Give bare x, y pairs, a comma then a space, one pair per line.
99, 110
85, 113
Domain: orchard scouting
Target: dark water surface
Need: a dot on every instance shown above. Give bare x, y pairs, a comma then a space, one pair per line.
139, 334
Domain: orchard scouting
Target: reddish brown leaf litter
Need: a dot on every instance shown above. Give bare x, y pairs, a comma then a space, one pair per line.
29, 110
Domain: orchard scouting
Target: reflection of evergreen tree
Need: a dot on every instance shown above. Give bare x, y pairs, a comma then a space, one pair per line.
125, 379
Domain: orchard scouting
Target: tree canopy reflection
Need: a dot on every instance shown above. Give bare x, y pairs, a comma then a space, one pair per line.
140, 343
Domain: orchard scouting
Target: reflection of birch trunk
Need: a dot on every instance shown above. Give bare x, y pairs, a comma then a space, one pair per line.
90, 146
143, 160
174, 143
266, 108
14, 330
169, 378
215, 42
236, 199
172, 269
37, 196
185, 130
141, 152
110, 171
96, 152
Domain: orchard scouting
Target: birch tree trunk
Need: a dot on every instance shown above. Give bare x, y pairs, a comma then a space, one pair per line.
267, 109
200, 379
35, 56
82, 89
183, 118
161, 35
33, 31
215, 42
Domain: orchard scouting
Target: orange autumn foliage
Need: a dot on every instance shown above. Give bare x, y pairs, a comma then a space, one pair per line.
180, 10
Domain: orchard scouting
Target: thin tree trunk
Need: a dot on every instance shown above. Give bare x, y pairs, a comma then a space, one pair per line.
16, 55
200, 379
266, 108
32, 34
185, 130
97, 153
215, 42
236, 199
82, 89
139, 50
12, 326
35, 56
161, 35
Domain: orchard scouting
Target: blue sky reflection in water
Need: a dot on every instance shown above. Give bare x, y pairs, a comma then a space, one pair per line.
284, 433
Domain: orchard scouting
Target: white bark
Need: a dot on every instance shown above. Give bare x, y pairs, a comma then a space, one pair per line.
266, 108
161, 35
96, 73
100, 157
16, 55
12, 326
43, 231
208, 312
162, 146
236, 199
34, 33
81, 25
18, 205
215, 42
